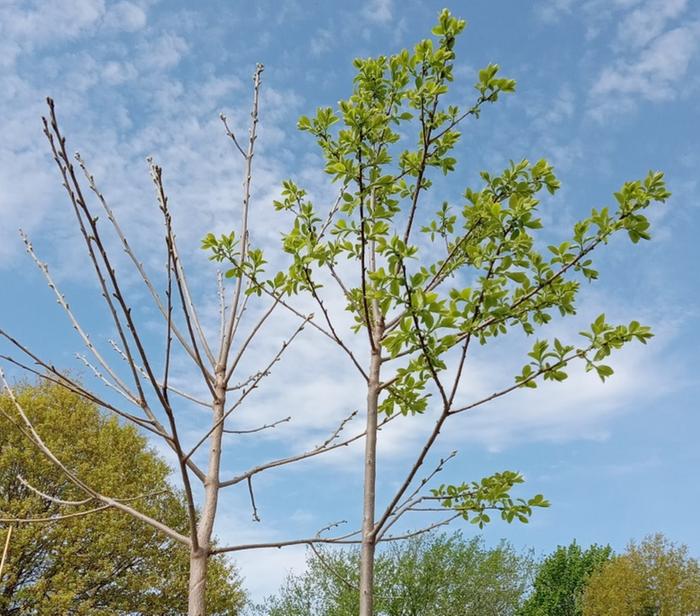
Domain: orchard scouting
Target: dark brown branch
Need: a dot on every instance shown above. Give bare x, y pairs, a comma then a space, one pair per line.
256, 518
130, 253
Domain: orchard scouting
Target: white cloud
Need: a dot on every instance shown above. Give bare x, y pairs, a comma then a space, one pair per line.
125, 16
647, 21
550, 11
321, 43
34, 24
656, 74
115, 73
378, 11
165, 52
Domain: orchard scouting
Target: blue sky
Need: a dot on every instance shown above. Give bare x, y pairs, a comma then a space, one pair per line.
607, 89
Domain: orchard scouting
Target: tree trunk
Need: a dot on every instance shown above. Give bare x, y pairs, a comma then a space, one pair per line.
199, 558
368, 539
197, 594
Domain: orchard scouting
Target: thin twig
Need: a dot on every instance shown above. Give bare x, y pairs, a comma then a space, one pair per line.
261, 428
171, 387
247, 391
5, 550
304, 455
256, 518
130, 253
28, 429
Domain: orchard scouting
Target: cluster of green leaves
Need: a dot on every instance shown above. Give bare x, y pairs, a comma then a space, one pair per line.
426, 279
104, 563
550, 361
473, 500
226, 247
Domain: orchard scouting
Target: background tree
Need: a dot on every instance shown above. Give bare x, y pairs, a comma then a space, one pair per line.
86, 564
653, 578
425, 279
561, 578
429, 575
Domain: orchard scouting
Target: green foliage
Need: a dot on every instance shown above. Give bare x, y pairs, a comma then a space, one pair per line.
561, 579
474, 499
429, 276
434, 575
654, 578
107, 562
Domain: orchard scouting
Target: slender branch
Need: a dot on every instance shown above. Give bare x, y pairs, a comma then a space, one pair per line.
171, 387
421, 339
50, 498
256, 518
222, 303
54, 518
27, 428
329, 446
330, 540
247, 181
73, 387
542, 285
60, 298
242, 384
261, 428
336, 338
410, 501
5, 550
398, 495
425, 133
193, 327
363, 243
338, 430
94, 245
244, 347
247, 391
99, 375
230, 134
132, 256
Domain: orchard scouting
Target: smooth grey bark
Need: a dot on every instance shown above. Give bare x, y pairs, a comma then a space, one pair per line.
369, 497
199, 555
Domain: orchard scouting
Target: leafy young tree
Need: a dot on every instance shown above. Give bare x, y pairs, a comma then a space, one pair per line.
653, 578
561, 579
86, 564
425, 279
429, 575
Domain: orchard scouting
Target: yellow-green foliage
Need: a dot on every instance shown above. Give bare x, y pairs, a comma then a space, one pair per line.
654, 578
106, 562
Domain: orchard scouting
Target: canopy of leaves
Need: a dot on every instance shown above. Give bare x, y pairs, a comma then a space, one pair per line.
104, 563
654, 578
561, 579
430, 575
423, 277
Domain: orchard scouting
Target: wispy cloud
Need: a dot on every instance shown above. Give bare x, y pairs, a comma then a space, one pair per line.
651, 57
378, 11
657, 74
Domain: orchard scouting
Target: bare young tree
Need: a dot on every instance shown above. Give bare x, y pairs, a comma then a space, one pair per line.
424, 281
149, 398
